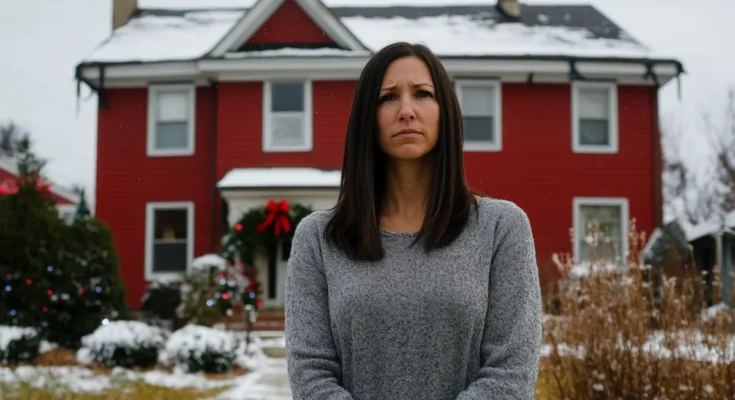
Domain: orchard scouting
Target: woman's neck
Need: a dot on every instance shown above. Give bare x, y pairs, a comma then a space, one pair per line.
407, 188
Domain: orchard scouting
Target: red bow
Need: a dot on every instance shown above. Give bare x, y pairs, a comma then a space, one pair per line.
277, 213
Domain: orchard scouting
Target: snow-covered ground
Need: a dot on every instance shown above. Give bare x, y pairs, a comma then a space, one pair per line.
268, 379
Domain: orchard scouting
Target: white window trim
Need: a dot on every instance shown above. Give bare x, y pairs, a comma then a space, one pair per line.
150, 208
622, 202
153, 91
65, 209
497, 144
308, 118
612, 88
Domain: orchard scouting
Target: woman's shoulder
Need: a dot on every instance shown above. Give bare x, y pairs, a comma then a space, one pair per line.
501, 215
315, 222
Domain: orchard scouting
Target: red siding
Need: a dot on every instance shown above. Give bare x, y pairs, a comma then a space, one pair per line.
127, 179
538, 170
240, 121
290, 25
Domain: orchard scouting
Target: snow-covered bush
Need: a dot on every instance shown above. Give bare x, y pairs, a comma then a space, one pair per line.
126, 344
18, 345
196, 348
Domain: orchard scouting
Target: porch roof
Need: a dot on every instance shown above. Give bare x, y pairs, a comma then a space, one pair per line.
284, 177
722, 224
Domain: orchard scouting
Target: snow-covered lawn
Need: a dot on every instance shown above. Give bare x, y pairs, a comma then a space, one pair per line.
267, 379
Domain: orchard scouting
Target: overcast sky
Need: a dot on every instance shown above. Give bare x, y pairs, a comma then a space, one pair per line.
42, 40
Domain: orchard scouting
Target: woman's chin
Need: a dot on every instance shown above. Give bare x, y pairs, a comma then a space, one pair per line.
408, 152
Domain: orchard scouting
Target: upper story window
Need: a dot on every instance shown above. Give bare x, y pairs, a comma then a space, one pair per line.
171, 120
481, 103
595, 117
287, 122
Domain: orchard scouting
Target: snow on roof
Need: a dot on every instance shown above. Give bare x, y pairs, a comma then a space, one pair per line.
467, 35
252, 178
194, 4
716, 225
166, 36
295, 52
166, 30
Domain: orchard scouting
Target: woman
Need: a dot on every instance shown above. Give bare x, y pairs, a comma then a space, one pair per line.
411, 287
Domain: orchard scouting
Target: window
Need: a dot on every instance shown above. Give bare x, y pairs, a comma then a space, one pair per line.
595, 117
171, 120
169, 239
287, 116
600, 229
66, 212
480, 101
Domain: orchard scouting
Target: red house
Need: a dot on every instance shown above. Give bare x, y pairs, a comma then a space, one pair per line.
209, 112
66, 200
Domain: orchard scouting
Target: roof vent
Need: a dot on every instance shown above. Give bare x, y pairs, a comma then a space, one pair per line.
510, 8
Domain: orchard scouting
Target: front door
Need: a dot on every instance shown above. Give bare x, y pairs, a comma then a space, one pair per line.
277, 264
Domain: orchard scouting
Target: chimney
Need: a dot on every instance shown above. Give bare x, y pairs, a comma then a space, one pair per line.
510, 8
122, 10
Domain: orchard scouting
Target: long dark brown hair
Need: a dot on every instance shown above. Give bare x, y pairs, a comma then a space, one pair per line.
355, 224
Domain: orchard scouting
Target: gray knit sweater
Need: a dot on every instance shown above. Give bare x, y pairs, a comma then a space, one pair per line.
459, 323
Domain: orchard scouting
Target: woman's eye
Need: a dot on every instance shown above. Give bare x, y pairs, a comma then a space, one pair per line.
387, 97
424, 93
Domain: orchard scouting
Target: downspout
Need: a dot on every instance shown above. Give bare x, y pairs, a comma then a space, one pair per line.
719, 262
214, 243
656, 156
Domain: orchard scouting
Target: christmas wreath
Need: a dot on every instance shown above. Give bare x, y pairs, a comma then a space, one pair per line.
260, 230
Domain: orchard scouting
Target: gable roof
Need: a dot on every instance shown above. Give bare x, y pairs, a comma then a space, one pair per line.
263, 10
156, 35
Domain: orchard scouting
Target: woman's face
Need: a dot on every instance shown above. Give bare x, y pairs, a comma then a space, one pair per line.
408, 113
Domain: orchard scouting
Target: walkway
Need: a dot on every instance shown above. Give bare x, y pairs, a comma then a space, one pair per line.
270, 380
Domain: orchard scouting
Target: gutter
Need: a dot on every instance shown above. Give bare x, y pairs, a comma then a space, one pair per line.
206, 61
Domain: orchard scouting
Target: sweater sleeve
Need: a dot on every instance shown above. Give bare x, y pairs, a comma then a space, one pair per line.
313, 365
513, 329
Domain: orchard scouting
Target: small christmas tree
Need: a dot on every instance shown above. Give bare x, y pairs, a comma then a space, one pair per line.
82, 208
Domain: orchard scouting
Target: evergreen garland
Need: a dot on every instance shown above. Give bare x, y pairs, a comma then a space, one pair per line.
244, 242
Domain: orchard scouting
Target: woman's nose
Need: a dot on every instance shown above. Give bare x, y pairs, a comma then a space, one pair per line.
407, 111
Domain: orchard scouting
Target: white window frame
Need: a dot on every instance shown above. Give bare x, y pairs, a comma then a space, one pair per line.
66, 209
612, 89
151, 207
497, 144
153, 92
308, 128
621, 202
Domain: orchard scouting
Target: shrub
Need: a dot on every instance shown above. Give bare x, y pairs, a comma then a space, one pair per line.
213, 289
61, 279
90, 278
126, 344
161, 299
634, 332
18, 345
197, 348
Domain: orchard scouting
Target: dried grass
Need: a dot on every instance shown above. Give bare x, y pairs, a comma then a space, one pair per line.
134, 390
635, 333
